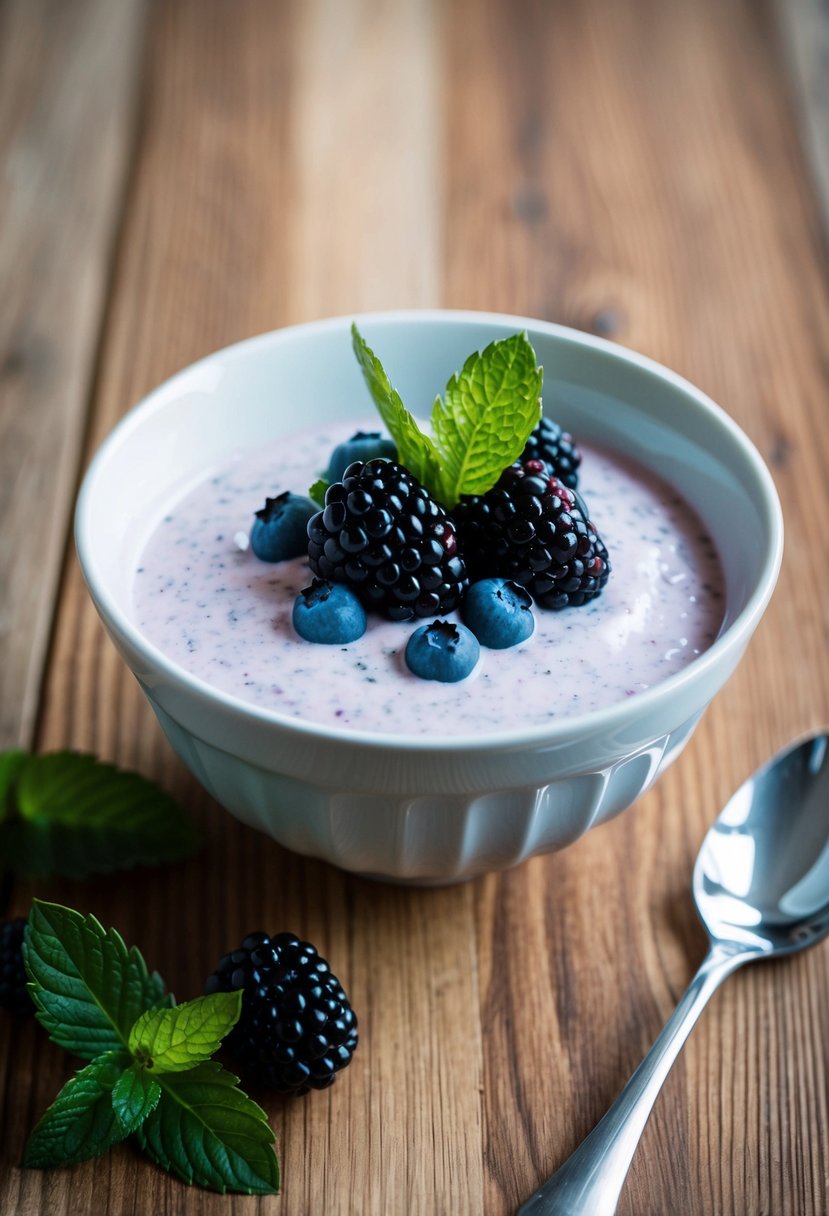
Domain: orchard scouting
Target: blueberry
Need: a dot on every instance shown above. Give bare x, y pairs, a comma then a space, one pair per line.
499, 613
442, 651
364, 445
280, 528
329, 613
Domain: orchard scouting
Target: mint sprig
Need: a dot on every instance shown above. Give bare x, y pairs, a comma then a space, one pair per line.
490, 409
69, 814
150, 1073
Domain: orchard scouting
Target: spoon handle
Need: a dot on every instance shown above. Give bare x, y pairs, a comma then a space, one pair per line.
591, 1179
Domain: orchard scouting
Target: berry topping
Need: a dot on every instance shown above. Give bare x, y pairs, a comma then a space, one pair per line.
14, 995
533, 530
557, 449
498, 612
363, 445
279, 530
384, 535
442, 651
297, 1028
328, 613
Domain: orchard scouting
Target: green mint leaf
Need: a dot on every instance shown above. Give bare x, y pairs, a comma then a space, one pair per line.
88, 988
415, 450
205, 1130
72, 815
10, 765
490, 409
134, 1095
317, 491
81, 1122
173, 1040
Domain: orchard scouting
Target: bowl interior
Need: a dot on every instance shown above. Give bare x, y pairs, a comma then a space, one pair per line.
281, 382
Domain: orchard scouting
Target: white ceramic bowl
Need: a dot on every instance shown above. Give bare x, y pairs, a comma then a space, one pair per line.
409, 808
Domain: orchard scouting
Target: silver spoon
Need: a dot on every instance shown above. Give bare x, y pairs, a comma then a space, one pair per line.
761, 887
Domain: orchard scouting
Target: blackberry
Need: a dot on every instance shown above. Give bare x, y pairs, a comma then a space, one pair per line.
14, 994
384, 535
533, 530
557, 449
297, 1028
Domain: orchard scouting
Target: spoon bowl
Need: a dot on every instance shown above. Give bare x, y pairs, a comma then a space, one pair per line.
761, 887
762, 875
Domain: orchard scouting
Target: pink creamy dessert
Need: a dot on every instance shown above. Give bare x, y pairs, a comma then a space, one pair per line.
225, 616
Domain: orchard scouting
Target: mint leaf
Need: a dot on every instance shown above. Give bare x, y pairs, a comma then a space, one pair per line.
317, 491
134, 1095
414, 449
88, 988
173, 1040
72, 815
207, 1131
490, 409
81, 1122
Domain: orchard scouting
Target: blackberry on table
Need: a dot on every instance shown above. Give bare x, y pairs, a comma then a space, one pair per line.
384, 535
557, 449
14, 994
532, 529
297, 1028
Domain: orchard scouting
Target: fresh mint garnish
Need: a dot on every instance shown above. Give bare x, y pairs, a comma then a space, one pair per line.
70, 814
150, 1071
488, 414
317, 491
414, 449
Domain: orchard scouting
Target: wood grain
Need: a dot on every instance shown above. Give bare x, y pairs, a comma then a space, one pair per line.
65, 157
631, 169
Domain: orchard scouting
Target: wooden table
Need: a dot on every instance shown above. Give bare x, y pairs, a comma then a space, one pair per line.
184, 173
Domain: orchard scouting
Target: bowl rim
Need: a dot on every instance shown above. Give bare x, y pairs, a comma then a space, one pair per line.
561, 731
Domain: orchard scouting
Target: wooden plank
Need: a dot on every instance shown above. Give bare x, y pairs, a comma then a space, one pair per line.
633, 169
68, 75
804, 28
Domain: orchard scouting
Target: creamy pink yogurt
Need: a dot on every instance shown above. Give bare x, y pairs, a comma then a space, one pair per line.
225, 617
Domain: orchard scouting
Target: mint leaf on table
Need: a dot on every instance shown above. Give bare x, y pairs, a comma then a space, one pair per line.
134, 1095
207, 1131
173, 1040
414, 449
88, 988
151, 1074
70, 814
488, 414
317, 491
81, 1122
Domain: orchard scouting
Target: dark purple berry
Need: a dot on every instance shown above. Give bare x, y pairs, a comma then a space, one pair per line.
557, 449
382, 534
297, 1028
535, 531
